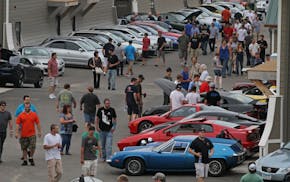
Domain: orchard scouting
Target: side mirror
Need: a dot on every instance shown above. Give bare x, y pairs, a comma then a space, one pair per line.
168, 133
81, 50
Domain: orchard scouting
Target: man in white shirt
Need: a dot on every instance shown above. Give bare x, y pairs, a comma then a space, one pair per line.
192, 97
51, 145
253, 49
176, 97
242, 32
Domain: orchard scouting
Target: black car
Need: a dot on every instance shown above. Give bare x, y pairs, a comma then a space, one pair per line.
19, 70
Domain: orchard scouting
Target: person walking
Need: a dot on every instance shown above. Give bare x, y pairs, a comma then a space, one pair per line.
66, 120
5, 121
217, 70
159, 177
192, 97
167, 76
195, 44
252, 176
140, 94
183, 42
113, 63
161, 43
202, 149
263, 46
248, 40
52, 71
130, 53
106, 125
90, 101
65, 97
89, 159
145, 48
204, 34
240, 59
254, 48
131, 100
213, 35
224, 56
176, 98
51, 144
212, 98
119, 53
109, 45
27, 120
241, 34
96, 65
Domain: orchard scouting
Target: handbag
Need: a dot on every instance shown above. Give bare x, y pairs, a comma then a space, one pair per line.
75, 128
98, 70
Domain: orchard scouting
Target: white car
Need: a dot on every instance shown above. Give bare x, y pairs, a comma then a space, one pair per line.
40, 56
262, 6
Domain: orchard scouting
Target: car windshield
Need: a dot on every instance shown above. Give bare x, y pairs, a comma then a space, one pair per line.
287, 146
116, 38
94, 44
30, 51
153, 31
86, 46
178, 17
157, 127
163, 145
242, 98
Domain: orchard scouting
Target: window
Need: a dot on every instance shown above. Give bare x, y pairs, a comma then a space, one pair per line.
179, 147
187, 128
208, 128
25, 61
183, 111
72, 46
57, 44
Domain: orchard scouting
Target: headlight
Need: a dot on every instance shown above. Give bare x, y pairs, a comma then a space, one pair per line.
285, 170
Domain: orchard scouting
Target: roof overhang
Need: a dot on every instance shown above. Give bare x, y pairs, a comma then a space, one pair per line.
84, 7
61, 7
266, 71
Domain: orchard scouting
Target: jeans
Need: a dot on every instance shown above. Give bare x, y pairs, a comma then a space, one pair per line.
112, 74
211, 44
2, 139
248, 57
66, 140
106, 138
96, 82
204, 47
252, 61
224, 62
239, 63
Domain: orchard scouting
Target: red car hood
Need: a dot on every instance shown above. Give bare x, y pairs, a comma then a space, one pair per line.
172, 34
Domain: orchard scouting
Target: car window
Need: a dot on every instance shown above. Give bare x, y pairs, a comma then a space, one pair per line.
72, 46
208, 128
30, 51
183, 111
253, 91
187, 128
168, 148
25, 61
226, 124
57, 44
179, 147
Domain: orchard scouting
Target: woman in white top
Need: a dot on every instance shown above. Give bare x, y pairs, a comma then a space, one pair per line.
204, 72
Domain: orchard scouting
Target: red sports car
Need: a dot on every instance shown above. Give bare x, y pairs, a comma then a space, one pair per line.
140, 124
249, 136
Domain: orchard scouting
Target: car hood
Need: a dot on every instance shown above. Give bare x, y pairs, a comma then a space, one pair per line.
139, 148
277, 159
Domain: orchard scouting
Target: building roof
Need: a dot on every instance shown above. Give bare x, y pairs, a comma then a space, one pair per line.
272, 14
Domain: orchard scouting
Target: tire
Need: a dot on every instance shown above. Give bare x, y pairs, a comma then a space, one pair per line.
144, 125
19, 83
39, 84
134, 166
217, 167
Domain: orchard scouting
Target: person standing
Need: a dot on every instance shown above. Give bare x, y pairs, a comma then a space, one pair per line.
263, 46
195, 44
241, 34
217, 69
166, 99
27, 120
226, 16
65, 97
140, 94
119, 53
161, 43
94, 63
195, 67
106, 125
187, 28
5, 121
52, 70
89, 159
192, 97
176, 98
204, 38
185, 78
204, 86
212, 98
159, 177
131, 100
194, 83
224, 56
248, 40
183, 42
145, 48
213, 35
105, 51
254, 48
240, 59
202, 149
252, 176
91, 102
51, 144
130, 53
113, 63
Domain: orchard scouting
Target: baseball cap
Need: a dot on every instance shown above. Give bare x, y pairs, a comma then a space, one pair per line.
159, 176
208, 79
252, 166
212, 85
178, 86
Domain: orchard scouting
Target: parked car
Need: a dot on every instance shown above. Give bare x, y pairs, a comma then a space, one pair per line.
243, 85
176, 20
248, 136
173, 156
140, 16
256, 94
145, 122
19, 70
275, 166
262, 6
40, 57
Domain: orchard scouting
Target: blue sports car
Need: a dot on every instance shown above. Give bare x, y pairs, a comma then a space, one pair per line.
173, 156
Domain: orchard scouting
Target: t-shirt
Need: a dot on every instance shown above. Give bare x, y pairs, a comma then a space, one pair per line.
66, 128
96, 135
160, 42
106, 116
21, 109
188, 28
88, 143
27, 120
130, 91
213, 32
254, 48
113, 59
107, 47
5, 117
212, 98
226, 14
192, 98
90, 100
251, 178
195, 41
203, 75
52, 65
242, 34
183, 42
146, 44
203, 147
185, 76
204, 87
130, 53
228, 32
51, 140
177, 99
65, 97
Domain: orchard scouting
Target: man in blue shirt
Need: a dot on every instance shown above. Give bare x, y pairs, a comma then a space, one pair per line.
130, 53
188, 28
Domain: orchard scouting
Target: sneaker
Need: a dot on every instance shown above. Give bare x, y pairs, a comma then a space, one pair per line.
52, 96
31, 162
24, 163
67, 153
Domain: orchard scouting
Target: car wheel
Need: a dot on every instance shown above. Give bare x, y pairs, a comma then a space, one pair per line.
144, 125
134, 166
217, 167
287, 178
19, 83
39, 83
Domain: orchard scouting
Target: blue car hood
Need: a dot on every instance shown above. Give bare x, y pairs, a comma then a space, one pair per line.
277, 159
139, 148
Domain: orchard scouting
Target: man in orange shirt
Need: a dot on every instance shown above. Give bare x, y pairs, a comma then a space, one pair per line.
226, 15
27, 120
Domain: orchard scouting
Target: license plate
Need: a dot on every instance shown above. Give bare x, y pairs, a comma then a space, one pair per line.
266, 176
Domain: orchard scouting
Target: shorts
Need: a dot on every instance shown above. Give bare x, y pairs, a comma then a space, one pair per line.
217, 72
182, 54
90, 118
89, 168
53, 81
132, 109
160, 53
194, 52
28, 143
145, 54
201, 170
105, 62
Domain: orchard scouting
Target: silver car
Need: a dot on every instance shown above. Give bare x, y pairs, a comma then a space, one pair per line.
276, 165
40, 57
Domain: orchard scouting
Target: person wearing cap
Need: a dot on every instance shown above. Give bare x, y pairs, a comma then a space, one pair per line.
202, 149
131, 100
130, 53
263, 46
176, 98
113, 63
212, 98
159, 177
145, 48
161, 43
204, 87
5, 120
252, 176
109, 45
90, 101
140, 94
96, 62
166, 99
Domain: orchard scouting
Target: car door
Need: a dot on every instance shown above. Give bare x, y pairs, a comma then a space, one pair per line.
59, 48
28, 70
76, 53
